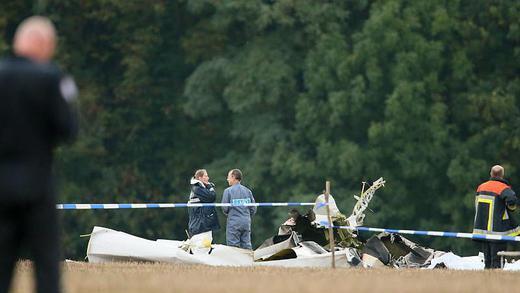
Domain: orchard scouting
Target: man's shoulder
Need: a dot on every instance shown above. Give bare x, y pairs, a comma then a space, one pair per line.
245, 188
8, 64
508, 191
495, 185
482, 185
228, 189
26, 66
235, 188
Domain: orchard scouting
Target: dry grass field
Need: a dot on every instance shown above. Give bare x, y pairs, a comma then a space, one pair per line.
143, 278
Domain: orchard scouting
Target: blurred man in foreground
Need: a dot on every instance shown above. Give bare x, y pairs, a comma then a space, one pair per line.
35, 116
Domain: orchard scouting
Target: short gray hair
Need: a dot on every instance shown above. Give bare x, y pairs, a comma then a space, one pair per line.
237, 174
497, 171
36, 22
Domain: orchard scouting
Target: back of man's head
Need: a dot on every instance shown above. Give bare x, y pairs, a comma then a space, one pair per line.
497, 171
237, 174
35, 39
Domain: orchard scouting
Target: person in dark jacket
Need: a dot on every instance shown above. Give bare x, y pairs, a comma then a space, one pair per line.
36, 115
202, 219
494, 202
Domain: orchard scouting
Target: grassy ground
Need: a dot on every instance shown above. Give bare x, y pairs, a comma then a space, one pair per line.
142, 278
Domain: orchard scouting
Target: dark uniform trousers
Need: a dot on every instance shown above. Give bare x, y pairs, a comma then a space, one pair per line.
35, 225
490, 250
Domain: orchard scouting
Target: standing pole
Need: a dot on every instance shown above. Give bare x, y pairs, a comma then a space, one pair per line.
331, 231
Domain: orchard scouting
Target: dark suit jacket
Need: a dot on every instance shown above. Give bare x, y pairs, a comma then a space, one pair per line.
34, 119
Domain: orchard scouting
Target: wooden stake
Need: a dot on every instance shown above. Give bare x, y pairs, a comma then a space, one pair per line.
331, 231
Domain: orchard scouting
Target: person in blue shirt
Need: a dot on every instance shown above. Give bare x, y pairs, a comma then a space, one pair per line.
238, 227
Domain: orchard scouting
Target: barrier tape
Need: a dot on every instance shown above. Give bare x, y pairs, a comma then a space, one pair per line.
430, 233
111, 206
72, 206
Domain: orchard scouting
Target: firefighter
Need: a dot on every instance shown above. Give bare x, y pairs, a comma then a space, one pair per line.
494, 202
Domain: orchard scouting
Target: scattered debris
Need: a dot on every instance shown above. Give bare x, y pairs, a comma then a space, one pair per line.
301, 242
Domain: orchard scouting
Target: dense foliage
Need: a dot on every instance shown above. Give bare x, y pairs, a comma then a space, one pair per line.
423, 93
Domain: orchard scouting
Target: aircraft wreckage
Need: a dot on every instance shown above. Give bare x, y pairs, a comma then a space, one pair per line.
301, 242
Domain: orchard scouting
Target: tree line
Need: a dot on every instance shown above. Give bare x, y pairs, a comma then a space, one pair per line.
422, 93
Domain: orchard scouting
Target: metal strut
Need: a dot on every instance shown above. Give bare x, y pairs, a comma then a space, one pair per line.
358, 213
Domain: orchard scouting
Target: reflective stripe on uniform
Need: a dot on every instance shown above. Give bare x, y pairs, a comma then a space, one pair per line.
487, 199
512, 232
